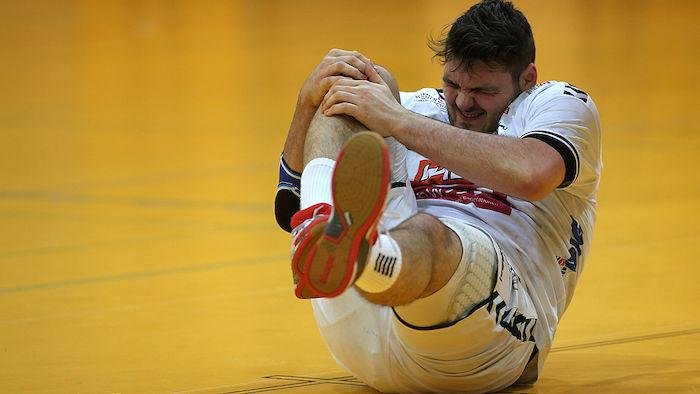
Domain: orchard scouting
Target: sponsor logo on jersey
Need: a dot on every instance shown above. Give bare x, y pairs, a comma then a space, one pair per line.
517, 324
571, 90
433, 181
575, 242
429, 98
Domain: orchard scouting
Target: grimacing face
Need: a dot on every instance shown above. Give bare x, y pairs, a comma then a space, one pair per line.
476, 97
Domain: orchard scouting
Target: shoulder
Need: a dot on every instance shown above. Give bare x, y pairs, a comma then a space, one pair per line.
565, 117
557, 107
559, 95
425, 96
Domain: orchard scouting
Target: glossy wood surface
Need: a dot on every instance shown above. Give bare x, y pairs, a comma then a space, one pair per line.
139, 143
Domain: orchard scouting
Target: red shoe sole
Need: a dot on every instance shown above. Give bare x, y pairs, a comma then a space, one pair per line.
359, 186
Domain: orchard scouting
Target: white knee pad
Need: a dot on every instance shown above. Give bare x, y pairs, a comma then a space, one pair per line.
470, 285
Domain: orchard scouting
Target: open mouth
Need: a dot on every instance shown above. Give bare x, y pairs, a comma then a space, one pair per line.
472, 115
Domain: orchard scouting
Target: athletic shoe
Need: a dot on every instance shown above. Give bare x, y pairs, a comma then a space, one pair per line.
329, 262
308, 225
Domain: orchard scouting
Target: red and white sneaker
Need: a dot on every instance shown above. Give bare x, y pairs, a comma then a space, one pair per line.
308, 225
333, 250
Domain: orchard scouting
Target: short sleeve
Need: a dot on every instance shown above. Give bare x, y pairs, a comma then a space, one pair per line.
566, 118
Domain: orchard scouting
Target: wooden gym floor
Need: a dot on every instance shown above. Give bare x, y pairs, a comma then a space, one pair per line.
139, 143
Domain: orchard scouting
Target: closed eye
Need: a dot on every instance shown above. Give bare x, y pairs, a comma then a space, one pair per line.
489, 92
449, 83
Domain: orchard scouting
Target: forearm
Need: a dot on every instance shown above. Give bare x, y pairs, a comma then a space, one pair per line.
294, 145
524, 168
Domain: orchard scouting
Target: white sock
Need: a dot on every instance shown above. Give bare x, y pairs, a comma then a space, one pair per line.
383, 266
316, 182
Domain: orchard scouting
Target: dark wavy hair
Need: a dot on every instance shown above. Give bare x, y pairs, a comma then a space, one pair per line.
492, 31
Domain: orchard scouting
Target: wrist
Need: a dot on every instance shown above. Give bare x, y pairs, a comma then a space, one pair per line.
403, 122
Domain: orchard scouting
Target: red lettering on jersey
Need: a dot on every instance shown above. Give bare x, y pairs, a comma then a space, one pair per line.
435, 174
436, 182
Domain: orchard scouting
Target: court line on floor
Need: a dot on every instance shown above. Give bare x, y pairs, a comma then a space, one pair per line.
141, 274
300, 381
150, 202
286, 382
166, 176
130, 307
618, 341
104, 217
304, 381
192, 233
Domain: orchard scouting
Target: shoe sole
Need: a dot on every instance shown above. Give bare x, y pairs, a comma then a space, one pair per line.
359, 186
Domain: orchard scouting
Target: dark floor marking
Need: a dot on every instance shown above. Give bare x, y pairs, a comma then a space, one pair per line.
150, 202
298, 382
304, 381
140, 274
639, 338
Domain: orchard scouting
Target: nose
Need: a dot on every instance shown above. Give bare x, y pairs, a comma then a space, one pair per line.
464, 101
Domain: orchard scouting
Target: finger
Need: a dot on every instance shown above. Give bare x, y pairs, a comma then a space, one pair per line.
355, 58
335, 52
373, 75
341, 109
358, 63
326, 84
360, 56
343, 81
343, 68
337, 96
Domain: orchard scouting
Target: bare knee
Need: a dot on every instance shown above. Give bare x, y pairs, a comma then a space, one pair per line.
327, 134
390, 80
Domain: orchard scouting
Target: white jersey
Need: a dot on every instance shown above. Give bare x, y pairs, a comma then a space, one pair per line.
547, 240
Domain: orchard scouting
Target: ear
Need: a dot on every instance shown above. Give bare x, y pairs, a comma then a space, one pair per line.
528, 78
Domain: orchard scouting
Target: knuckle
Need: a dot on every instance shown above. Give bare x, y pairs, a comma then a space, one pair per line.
338, 64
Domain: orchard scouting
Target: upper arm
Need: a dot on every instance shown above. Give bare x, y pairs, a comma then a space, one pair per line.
569, 125
547, 171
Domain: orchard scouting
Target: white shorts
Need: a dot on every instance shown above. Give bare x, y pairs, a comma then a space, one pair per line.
487, 348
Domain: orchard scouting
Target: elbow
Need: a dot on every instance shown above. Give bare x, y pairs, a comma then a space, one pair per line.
537, 194
536, 186
540, 172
